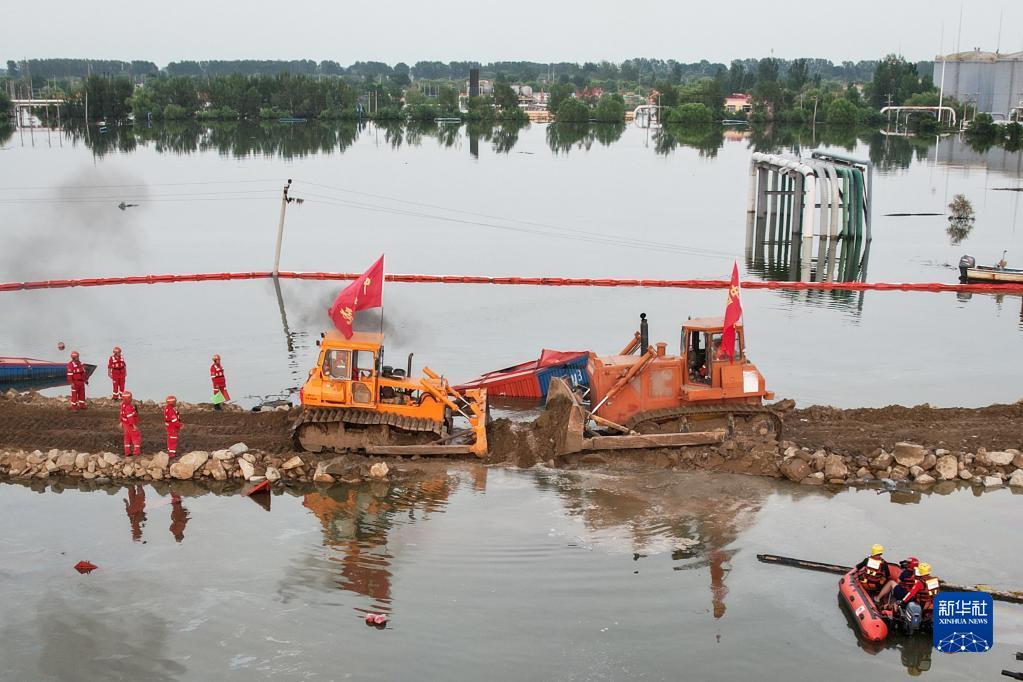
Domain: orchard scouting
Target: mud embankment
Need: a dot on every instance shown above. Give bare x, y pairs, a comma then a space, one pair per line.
41, 438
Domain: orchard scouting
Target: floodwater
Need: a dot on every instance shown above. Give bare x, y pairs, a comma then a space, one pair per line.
484, 574
627, 203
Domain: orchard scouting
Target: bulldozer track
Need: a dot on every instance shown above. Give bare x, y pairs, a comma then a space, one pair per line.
669, 413
328, 415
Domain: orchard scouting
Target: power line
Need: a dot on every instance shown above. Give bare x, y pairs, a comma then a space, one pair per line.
587, 237
583, 233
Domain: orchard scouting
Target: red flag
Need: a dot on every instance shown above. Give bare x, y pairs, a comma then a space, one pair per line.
733, 311
367, 291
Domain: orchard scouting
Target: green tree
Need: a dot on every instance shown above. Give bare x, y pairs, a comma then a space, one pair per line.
842, 112
505, 97
574, 111
897, 79
799, 74
447, 99
610, 109
5, 106
694, 113
558, 94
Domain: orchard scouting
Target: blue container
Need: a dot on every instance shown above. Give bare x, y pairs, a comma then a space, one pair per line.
573, 372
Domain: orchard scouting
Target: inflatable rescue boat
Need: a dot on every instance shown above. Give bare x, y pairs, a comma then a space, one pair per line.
862, 607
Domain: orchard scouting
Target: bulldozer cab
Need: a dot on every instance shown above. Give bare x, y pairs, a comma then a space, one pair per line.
348, 369
701, 350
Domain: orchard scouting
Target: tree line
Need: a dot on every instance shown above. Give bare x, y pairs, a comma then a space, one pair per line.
637, 70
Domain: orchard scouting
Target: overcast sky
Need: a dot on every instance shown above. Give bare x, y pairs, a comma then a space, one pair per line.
553, 30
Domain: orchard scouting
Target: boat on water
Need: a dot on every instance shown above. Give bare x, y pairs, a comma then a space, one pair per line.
969, 271
25, 374
532, 379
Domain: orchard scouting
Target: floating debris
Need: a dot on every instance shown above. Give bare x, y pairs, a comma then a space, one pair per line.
85, 567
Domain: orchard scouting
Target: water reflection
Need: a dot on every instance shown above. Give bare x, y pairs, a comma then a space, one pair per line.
135, 507
563, 137
357, 520
693, 518
272, 139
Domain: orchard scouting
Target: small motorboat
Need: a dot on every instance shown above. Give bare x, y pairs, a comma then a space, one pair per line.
25, 374
876, 622
532, 379
969, 271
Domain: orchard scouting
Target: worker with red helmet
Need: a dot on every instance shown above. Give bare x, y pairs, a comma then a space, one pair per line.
117, 370
130, 426
219, 382
77, 377
923, 590
172, 421
903, 584
873, 572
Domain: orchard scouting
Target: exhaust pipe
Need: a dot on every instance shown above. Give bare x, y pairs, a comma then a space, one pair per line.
409, 375
644, 335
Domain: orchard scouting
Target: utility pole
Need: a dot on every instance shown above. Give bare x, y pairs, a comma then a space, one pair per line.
285, 200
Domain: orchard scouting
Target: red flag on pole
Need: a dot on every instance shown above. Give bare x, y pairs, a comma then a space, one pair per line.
733, 311
367, 291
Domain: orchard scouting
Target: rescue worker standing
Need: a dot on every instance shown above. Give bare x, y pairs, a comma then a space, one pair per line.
77, 377
219, 381
117, 371
130, 425
173, 423
873, 572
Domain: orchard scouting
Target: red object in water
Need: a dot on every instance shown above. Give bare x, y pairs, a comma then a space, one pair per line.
261, 487
85, 567
376, 619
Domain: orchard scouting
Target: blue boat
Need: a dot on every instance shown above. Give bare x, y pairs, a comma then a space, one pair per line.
30, 374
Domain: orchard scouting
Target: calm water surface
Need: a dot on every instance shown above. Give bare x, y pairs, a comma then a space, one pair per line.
492, 574
450, 200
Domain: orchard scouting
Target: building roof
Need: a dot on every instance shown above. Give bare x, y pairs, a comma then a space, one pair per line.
978, 56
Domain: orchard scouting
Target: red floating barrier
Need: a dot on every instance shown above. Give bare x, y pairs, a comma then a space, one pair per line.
85, 567
1003, 288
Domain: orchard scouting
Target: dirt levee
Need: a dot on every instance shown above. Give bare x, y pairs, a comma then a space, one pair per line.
49, 424
861, 431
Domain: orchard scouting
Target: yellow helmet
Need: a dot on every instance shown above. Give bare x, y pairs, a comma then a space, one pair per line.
923, 569
876, 549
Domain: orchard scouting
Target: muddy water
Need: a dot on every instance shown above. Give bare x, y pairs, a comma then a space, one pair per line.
484, 573
455, 202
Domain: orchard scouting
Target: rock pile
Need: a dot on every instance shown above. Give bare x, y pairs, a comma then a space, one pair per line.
908, 462
235, 463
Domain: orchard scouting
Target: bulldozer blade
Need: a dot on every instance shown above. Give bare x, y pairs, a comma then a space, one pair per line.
571, 439
654, 440
422, 450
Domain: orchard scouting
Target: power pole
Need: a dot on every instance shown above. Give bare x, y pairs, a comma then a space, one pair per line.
285, 200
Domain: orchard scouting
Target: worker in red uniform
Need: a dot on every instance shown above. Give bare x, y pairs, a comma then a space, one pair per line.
873, 571
905, 582
130, 425
219, 382
923, 591
77, 377
173, 423
117, 371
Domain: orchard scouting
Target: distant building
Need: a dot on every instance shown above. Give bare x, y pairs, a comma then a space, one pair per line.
992, 81
486, 87
737, 102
